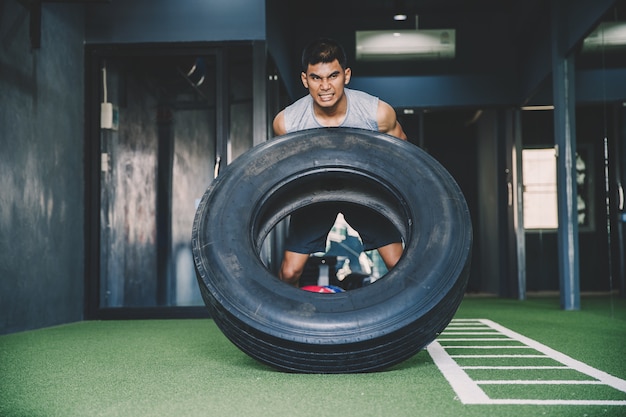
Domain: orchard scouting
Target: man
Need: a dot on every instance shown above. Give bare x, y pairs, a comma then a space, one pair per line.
329, 104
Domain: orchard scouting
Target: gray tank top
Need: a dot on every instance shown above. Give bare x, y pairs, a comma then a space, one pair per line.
361, 113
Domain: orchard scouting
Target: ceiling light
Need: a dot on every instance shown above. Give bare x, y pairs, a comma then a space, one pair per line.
380, 45
399, 16
538, 107
609, 35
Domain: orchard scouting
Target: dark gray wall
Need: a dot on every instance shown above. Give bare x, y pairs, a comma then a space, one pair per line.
41, 152
42, 133
175, 21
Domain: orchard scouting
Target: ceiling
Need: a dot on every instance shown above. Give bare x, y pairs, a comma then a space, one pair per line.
491, 35
380, 8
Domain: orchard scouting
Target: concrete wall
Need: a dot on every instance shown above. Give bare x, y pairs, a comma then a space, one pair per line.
41, 153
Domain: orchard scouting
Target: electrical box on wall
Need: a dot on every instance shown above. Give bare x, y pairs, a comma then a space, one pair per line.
109, 116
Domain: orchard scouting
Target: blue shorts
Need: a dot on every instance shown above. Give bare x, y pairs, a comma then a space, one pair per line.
309, 227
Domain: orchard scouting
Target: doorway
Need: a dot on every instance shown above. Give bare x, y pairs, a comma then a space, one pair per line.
163, 121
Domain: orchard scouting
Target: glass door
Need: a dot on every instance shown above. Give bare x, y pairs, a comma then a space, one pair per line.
168, 120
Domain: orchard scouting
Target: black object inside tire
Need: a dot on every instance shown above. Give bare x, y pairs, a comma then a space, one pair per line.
361, 330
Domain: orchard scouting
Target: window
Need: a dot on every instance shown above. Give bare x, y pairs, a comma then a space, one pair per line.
540, 195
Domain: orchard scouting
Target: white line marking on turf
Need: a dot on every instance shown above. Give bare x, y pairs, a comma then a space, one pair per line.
469, 391
542, 382
610, 380
499, 356
466, 389
477, 339
514, 367
486, 347
554, 402
464, 328
459, 322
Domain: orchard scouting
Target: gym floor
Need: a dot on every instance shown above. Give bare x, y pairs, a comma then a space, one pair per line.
498, 357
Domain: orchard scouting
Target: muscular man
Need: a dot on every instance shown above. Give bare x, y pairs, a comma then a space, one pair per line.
330, 104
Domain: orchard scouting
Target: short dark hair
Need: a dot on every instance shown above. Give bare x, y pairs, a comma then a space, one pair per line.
323, 50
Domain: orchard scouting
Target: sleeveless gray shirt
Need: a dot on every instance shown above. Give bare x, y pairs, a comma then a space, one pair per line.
361, 112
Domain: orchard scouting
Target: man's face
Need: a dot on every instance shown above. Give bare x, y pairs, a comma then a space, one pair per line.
325, 82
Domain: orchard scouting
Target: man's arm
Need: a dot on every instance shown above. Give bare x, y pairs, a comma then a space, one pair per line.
279, 124
387, 121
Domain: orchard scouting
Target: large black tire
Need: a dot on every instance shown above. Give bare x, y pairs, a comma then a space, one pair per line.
365, 329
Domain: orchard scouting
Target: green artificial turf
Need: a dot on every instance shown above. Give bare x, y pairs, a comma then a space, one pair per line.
188, 368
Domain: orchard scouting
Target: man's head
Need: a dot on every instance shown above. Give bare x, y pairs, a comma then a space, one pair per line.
323, 50
325, 73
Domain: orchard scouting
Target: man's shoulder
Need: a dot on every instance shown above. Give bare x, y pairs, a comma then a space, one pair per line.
359, 94
302, 101
297, 114
362, 100
299, 106
365, 102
